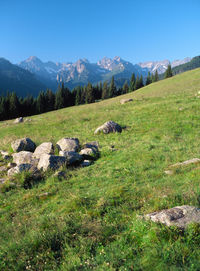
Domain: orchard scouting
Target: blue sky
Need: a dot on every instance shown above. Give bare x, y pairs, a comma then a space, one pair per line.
67, 30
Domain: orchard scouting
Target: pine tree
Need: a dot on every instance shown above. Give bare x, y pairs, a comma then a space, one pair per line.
137, 82
148, 81
100, 90
90, 93
125, 88
156, 77
132, 83
105, 90
141, 81
168, 72
59, 98
13, 105
50, 100
78, 96
112, 88
41, 103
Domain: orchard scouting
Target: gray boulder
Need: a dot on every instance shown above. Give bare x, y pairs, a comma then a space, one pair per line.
18, 169
68, 144
86, 163
24, 157
53, 162
92, 145
71, 157
109, 127
19, 120
123, 101
23, 144
44, 148
179, 216
89, 152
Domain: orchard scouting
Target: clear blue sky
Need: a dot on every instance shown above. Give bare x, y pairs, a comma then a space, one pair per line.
67, 30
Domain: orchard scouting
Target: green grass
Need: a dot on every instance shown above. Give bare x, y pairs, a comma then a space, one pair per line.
90, 220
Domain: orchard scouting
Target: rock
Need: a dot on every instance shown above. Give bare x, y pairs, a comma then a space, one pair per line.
44, 148
5, 155
89, 152
23, 144
44, 195
60, 174
169, 172
19, 120
25, 157
71, 157
53, 162
19, 169
188, 162
68, 144
179, 216
92, 145
2, 180
123, 101
86, 163
109, 127
10, 165
3, 168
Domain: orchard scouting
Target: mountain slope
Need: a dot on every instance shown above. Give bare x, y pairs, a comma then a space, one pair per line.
90, 219
14, 78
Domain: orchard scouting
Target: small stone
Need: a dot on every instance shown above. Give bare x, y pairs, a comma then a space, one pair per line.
19, 120
23, 144
109, 127
60, 174
10, 165
169, 172
71, 157
123, 101
68, 144
5, 155
93, 144
2, 180
3, 168
86, 163
179, 216
44, 195
88, 151
19, 169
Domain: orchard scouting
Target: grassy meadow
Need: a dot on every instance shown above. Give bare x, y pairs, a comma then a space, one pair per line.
90, 219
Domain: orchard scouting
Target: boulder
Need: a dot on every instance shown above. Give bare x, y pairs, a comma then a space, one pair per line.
123, 101
89, 152
19, 120
24, 157
23, 144
187, 162
68, 144
109, 127
179, 216
10, 165
60, 174
18, 169
53, 162
44, 148
71, 157
5, 155
92, 145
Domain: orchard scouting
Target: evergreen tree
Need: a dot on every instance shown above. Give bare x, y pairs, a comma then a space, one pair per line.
3, 108
168, 72
90, 98
13, 105
50, 100
125, 88
137, 82
78, 96
112, 88
132, 83
156, 78
41, 103
100, 90
148, 81
141, 81
105, 90
59, 98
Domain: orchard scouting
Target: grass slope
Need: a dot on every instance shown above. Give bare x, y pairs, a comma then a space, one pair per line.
90, 220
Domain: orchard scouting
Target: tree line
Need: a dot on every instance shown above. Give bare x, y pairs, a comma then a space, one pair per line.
12, 106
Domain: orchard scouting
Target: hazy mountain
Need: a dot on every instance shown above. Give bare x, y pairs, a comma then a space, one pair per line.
14, 78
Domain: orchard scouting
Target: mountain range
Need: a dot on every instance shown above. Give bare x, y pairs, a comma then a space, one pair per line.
33, 75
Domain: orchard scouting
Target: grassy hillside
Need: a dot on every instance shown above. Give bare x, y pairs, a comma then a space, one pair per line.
90, 220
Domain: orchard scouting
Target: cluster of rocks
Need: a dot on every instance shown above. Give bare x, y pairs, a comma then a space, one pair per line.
28, 157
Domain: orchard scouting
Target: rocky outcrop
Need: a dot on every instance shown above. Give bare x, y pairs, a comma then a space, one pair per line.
23, 144
44, 148
68, 144
52, 162
109, 127
179, 216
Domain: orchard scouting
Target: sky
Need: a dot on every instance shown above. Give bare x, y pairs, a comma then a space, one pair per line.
65, 30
